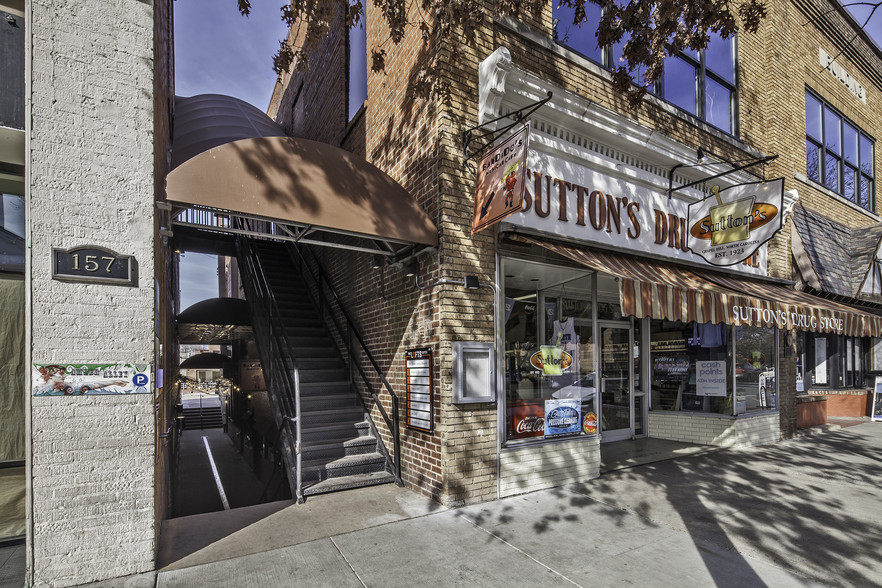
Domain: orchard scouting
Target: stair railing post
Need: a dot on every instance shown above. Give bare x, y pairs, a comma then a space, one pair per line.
298, 433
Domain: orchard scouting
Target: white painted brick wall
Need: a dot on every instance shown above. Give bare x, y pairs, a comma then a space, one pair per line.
91, 183
710, 430
537, 467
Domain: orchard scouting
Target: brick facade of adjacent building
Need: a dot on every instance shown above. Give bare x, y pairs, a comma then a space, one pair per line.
417, 142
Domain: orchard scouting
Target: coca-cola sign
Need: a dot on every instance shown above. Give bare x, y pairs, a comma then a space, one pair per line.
526, 418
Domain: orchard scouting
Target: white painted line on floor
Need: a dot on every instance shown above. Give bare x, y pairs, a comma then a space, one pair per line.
220, 487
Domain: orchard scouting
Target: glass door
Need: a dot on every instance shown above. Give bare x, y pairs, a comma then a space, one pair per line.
616, 377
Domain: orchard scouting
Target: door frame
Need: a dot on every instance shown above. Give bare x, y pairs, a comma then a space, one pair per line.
615, 434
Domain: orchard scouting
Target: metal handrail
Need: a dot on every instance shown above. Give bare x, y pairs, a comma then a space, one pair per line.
262, 296
393, 424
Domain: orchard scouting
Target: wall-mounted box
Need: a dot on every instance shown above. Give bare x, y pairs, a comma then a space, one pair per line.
474, 372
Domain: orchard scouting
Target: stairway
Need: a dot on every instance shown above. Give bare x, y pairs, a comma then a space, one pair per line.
339, 447
203, 414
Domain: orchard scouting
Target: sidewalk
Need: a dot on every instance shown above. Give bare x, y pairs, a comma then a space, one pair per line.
805, 512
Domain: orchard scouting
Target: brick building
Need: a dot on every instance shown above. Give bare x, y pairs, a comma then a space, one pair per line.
596, 252
517, 353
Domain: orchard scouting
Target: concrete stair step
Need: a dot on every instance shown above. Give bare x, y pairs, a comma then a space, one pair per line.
349, 482
318, 470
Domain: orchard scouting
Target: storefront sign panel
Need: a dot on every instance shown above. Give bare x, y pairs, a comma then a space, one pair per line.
730, 225
573, 201
499, 190
77, 379
710, 378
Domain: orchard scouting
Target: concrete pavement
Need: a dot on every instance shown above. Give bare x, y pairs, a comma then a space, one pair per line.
804, 512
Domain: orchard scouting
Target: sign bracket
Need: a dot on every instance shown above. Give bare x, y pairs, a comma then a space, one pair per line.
518, 116
701, 155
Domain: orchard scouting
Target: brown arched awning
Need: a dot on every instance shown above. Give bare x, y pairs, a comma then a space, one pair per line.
311, 188
214, 322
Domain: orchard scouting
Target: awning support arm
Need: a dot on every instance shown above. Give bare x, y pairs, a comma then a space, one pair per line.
518, 115
671, 189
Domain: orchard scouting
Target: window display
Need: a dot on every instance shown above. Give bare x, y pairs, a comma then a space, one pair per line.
549, 356
686, 361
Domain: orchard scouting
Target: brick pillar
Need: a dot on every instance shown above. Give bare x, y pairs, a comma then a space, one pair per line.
787, 383
91, 183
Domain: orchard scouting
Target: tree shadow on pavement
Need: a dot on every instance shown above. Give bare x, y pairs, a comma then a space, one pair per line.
809, 506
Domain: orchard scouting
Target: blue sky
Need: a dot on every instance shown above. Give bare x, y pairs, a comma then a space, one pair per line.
219, 51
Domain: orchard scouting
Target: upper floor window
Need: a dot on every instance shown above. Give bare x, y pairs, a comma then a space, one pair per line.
356, 67
12, 69
838, 154
700, 82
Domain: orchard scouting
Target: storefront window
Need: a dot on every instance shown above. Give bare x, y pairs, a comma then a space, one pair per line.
690, 367
549, 352
832, 361
755, 381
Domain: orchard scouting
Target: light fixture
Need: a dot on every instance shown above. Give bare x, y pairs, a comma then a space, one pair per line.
702, 156
377, 262
411, 269
470, 282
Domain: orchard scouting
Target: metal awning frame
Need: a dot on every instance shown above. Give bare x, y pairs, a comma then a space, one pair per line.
222, 221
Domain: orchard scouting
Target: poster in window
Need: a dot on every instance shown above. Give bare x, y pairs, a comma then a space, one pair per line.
877, 400
710, 378
562, 417
820, 360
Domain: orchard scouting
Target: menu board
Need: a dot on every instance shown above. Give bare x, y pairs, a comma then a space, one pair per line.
418, 364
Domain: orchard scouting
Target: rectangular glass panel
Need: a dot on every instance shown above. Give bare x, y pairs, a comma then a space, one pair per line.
12, 214
679, 80
755, 372
581, 38
719, 57
812, 166
718, 105
866, 155
866, 190
820, 361
357, 68
850, 143
831, 172
813, 117
832, 131
849, 182
615, 386
677, 351
549, 345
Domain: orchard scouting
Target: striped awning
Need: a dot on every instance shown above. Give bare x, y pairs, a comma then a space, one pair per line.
674, 293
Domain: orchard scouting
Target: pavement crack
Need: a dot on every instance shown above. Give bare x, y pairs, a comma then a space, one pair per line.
348, 563
521, 551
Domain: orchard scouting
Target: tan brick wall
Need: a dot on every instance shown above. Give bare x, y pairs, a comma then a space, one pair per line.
715, 430
537, 467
